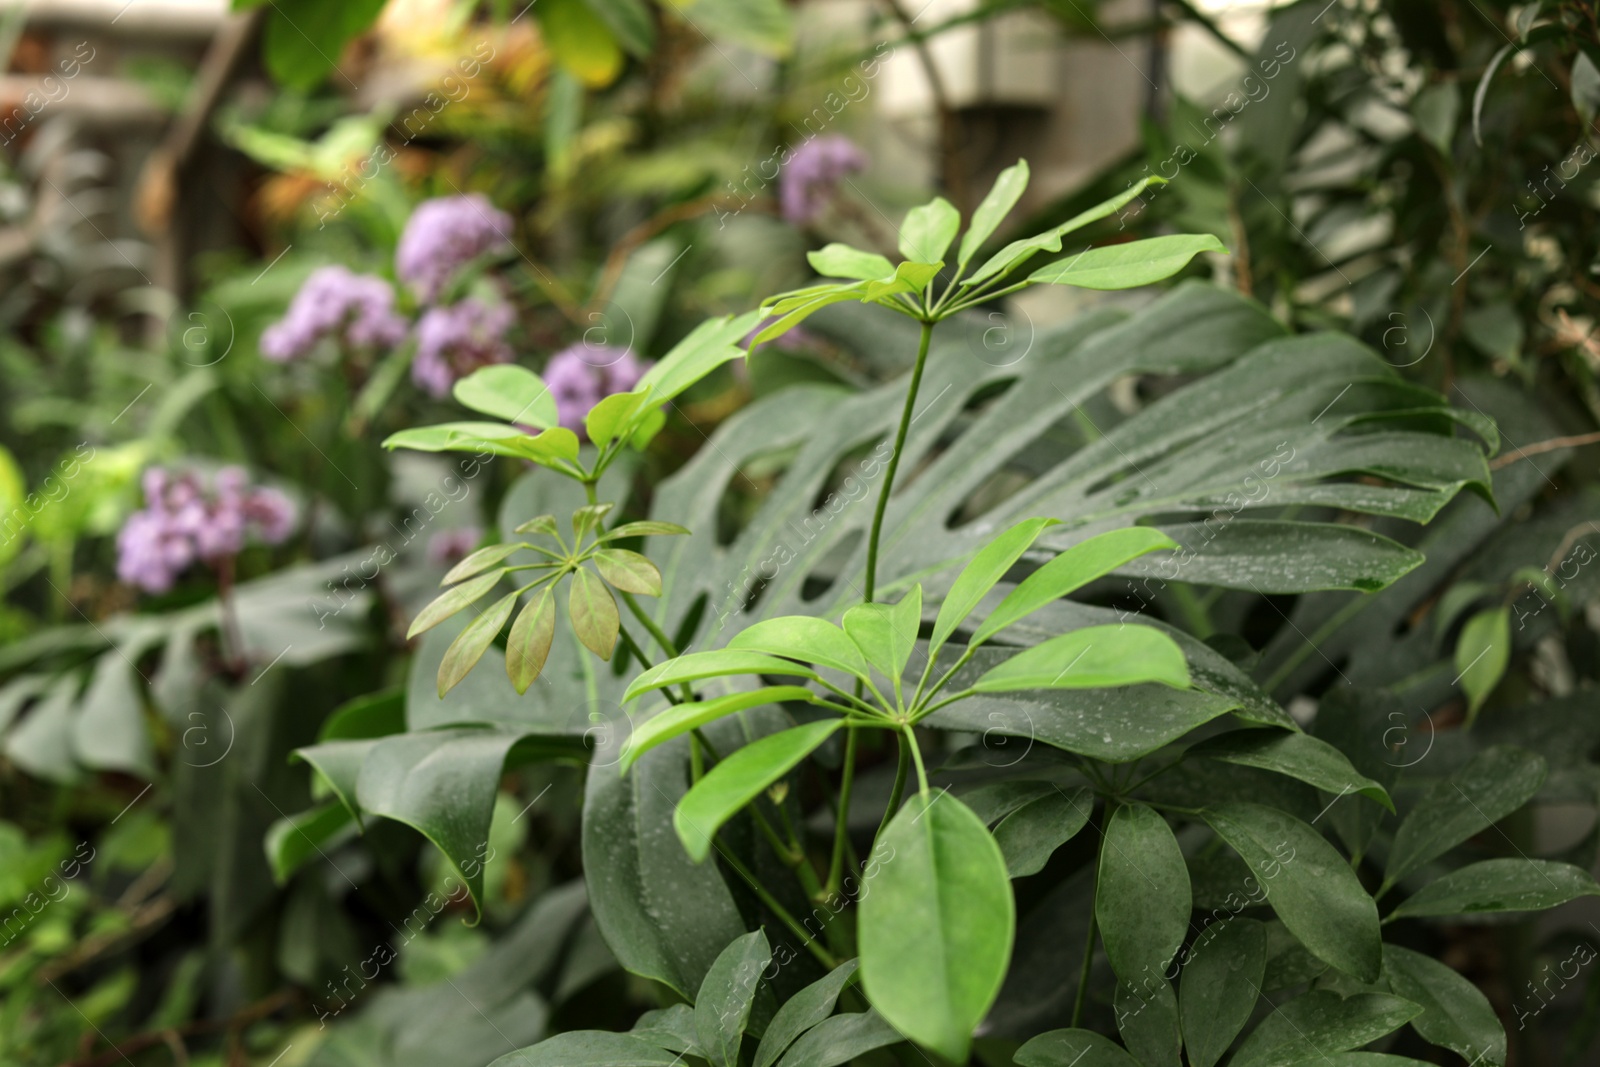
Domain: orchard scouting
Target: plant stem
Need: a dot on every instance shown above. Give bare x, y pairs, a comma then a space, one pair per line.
1088, 944
840, 830
899, 790
894, 460
916, 757
649, 624
823, 956
588, 491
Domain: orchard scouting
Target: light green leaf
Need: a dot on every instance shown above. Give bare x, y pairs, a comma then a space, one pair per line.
1029, 835
1128, 265
678, 719
1501, 885
928, 230
1495, 783
936, 928
1321, 1023
1455, 1014
789, 319
590, 1048
628, 571
1070, 571
886, 635
1050, 241
644, 528
986, 568
613, 416
801, 1012
841, 261
1219, 988
804, 637
1143, 901
594, 613
693, 666
909, 277
1294, 754
722, 1007
453, 600
554, 447
588, 519
1482, 655
539, 524
997, 204
480, 561
710, 345
1309, 885
508, 392
528, 644
580, 41
739, 779
1093, 657
470, 645
1073, 1048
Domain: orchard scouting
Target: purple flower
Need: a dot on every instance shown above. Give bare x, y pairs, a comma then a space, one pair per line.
183, 522
444, 235
450, 546
454, 341
333, 300
813, 173
581, 375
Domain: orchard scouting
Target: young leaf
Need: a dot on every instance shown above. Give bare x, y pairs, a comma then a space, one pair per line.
528, 645
909, 277
628, 571
841, 261
1147, 1019
1128, 265
539, 524
1220, 986
1073, 1048
1482, 654
804, 637
470, 645
789, 319
556, 448
886, 635
1028, 836
997, 204
1143, 900
1455, 1014
1092, 658
453, 600
587, 518
1069, 571
936, 927
1050, 241
1309, 885
1297, 755
986, 568
644, 528
693, 666
594, 613
479, 561
1321, 1023
1492, 785
613, 416
1502, 885
928, 231
739, 779
679, 719
801, 1012
722, 1007
508, 392
708, 346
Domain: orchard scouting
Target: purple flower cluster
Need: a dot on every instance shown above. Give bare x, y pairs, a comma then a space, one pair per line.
445, 234
581, 375
811, 178
454, 341
182, 522
359, 308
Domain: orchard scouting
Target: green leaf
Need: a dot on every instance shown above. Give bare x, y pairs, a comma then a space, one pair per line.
722, 1007
806, 638
909, 277
980, 575
630, 22
539, 524
528, 645
556, 447
841, 261
628, 571
1455, 1014
1495, 783
886, 635
997, 204
613, 416
1294, 754
801, 1012
1309, 885
1147, 1019
338, 767
644, 528
590, 1048
1321, 1023
594, 613
993, 802
1143, 900
739, 779
296, 839
1219, 988
480, 561
708, 346
1093, 657
580, 41
928, 230
840, 1040
508, 392
453, 600
765, 26
678, 719
1128, 265
671, 1027
1069, 571
470, 645
1502, 885
1073, 1048
693, 666
303, 38
936, 929
588, 519
1050, 241
1482, 655
1030, 834
790, 318
1435, 110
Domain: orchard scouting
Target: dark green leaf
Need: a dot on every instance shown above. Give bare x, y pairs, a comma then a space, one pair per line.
469, 646
672, 1028
1221, 982
594, 613
628, 571
722, 1007
1147, 1019
1073, 1048
528, 644
1455, 1014
1501, 885
1297, 755
590, 1048
1321, 1023
678, 719
1143, 900
1029, 835
993, 802
1494, 784
1092, 658
840, 1040
801, 1012
294, 840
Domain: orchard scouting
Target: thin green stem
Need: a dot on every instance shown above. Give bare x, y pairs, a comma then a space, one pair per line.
588, 491
916, 757
649, 624
894, 461
823, 956
925, 712
1088, 957
841, 830
899, 791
